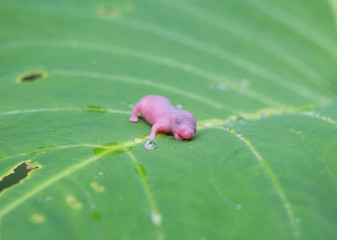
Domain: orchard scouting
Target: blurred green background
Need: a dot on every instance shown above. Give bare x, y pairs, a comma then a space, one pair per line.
259, 76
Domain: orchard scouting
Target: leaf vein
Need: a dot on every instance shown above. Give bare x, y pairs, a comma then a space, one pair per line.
283, 197
151, 58
228, 25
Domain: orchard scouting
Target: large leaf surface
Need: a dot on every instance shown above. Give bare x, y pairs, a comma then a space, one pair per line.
259, 76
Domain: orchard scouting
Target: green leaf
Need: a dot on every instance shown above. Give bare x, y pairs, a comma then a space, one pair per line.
259, 76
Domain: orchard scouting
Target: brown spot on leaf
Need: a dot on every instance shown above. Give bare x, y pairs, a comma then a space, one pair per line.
110, 11
73, 202
37, 218
97, 187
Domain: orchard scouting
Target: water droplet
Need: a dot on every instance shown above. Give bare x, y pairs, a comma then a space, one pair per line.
239, 206
138, 140
48, 198
298, 220
100, 173
218, 105
156, 218
287, 206
244, 83
264, 114
187, 67
131, 105
241, 120
92, 205
208, 124
172, 148
179, 106
150, 145
295, 131
229, 122
147, 82
222, 87
191, 147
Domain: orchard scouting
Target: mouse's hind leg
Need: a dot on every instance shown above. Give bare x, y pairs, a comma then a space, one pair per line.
134, 114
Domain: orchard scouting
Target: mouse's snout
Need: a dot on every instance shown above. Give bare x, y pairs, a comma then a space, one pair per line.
186, 133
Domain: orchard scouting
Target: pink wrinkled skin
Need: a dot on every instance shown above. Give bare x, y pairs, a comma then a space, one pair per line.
163, 117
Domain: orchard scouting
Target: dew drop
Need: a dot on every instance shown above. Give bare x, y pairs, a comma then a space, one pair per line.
263, 114
156, 218
244, 83
222, 87
241, 120
298, 220
218, 105
150, 145
191, 147
48, 198
131, 105
100, 173
229, 122
239, 206
187, 67
179, 106
208, 124
92, 205
172, 148
138, 140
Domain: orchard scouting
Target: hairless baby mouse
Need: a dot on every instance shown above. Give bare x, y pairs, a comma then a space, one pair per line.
159, 112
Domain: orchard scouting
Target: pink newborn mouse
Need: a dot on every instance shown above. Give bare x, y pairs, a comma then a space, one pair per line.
163, 117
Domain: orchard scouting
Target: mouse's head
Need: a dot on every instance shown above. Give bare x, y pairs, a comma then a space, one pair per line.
183, 125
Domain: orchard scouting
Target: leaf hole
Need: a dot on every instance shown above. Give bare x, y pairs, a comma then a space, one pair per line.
32, 77
19, 173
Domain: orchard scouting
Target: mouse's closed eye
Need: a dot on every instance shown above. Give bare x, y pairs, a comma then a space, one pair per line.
178, 119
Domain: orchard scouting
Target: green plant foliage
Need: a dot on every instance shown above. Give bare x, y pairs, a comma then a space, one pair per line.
259, 76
